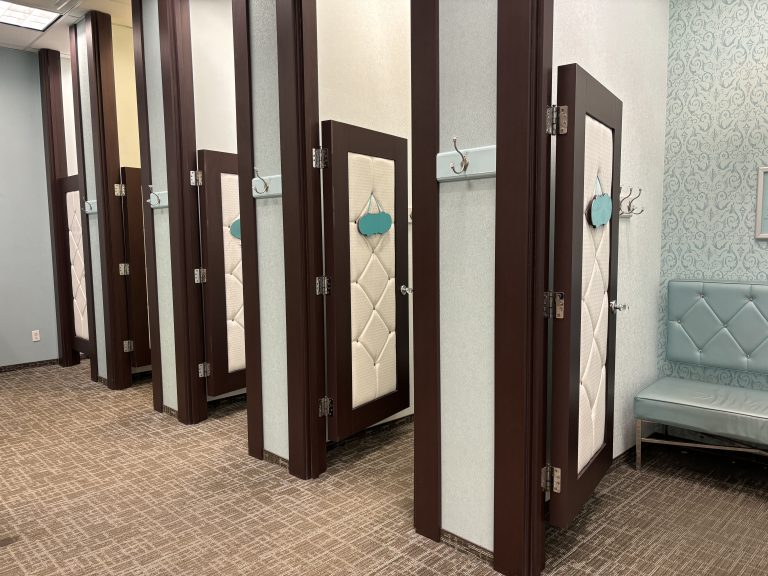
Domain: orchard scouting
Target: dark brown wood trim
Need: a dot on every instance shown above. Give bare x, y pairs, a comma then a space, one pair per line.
181, 158
98, 31
245, 158
214, 164
27, 365
137, 8
74, 60
133, 231
524, 61
299, 134
425, 90
56, 169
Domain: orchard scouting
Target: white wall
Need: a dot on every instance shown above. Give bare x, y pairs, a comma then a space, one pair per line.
26, 265
364, 75
623, 44
269, 224
70, 135
467, 273
213, 72
125, 96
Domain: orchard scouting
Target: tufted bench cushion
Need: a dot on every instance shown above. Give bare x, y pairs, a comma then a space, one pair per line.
728, 411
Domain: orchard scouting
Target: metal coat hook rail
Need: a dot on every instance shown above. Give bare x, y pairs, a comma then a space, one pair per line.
266, 186
627, 207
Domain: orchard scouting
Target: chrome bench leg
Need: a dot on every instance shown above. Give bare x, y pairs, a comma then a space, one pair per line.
638, 444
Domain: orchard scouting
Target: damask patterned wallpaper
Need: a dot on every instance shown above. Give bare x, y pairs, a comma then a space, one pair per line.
717, 137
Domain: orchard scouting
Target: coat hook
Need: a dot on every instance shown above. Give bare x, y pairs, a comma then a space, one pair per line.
464, 159
266, 184
630, 205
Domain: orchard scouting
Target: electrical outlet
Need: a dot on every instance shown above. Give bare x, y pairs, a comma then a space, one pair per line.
35, 335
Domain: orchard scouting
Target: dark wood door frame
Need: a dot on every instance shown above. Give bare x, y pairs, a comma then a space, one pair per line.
137, 9
299, 134
245, 159
133, 229
522, 192
77, 104
425, 145
56, 169
98, 33
181, 159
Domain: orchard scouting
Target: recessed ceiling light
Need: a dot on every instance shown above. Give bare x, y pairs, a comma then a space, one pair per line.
26, 17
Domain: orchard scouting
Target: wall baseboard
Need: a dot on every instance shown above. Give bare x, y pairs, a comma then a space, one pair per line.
275, 459
14, 367
466, 547
170, 411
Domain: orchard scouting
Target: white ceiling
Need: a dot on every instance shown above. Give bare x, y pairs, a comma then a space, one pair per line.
57, 36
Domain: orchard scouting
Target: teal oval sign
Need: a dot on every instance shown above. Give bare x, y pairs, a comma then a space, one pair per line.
600, 209
374, 223
234, 228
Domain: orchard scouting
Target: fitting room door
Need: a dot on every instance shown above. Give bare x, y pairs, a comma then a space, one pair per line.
133, 234
221, 272
585, 274
365, 182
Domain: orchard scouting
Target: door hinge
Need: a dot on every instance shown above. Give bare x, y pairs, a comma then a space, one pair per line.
124, 269
204, 369
195, 177
201, 275
319, 158
554, 305
326, 407
557, 120
550, 479
119, 189
322, 285
127, 345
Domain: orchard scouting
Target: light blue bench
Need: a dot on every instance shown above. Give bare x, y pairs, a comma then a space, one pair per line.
719, 324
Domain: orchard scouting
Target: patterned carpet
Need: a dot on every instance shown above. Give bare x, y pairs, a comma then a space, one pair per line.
93, 482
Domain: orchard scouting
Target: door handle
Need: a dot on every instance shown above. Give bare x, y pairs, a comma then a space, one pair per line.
616, 307
406, 290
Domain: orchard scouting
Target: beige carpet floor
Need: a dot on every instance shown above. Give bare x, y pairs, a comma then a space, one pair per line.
93, 482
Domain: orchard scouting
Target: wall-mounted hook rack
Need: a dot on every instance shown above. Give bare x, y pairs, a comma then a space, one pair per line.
90, 207
157, 199
627, 207
483, 164
267, 186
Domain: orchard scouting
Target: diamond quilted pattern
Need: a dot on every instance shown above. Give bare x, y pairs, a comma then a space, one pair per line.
372, 277
233, 274
77, 265
718, 324
595, 275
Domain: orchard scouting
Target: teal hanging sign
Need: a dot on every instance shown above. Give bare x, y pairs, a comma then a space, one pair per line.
234, 229
600, 209
372, 223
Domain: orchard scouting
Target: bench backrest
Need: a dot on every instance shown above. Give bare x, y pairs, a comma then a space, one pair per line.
720, 324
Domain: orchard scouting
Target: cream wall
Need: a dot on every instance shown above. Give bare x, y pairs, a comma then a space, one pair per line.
125, 96
623, 44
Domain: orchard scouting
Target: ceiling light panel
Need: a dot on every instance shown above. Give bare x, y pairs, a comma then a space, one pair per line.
26, 17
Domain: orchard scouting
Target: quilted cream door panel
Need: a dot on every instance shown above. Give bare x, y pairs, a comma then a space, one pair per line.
77, 265
367, 357
372, 282
595, 278
219, 197
585, 238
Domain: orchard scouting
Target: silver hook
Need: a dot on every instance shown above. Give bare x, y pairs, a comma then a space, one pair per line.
630, 204
464, 159
266, 184
87, 207
153, 195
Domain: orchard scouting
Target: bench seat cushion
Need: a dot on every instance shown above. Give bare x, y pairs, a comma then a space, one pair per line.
728, 411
